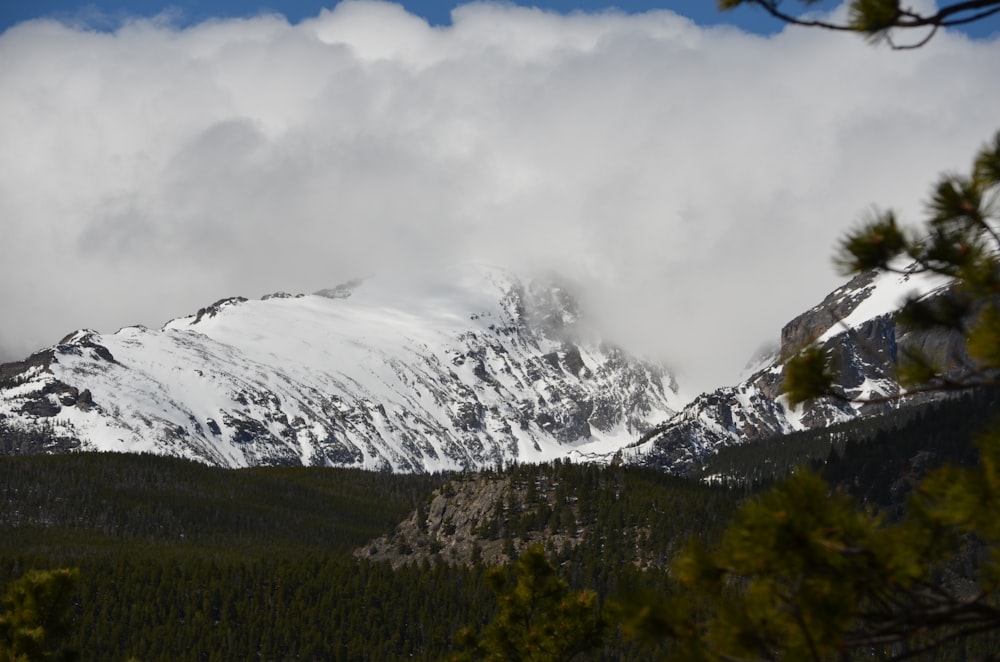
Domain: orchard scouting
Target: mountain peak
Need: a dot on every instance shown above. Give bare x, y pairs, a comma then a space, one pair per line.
456, 369
856, 325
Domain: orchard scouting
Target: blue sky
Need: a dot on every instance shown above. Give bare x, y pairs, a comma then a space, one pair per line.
436, 12
107, 13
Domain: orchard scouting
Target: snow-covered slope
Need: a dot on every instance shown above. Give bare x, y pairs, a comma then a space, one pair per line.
855, 323
464, 368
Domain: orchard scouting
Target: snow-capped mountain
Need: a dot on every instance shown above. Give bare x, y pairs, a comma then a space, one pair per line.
856, 325
465, 368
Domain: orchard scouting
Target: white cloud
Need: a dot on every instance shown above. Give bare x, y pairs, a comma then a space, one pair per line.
696, 178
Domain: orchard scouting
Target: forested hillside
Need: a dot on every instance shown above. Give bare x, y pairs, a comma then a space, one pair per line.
66, 505
181, 561
867, 456
589, 517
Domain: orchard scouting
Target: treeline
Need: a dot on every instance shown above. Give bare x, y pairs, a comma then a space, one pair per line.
41, 439
593, 514
883, 465
72, 504
874, 457
181, 561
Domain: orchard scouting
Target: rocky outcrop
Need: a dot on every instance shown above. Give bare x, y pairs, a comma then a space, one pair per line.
215, 308
341, 291
18, 372
810, 325
465, 522
856, 326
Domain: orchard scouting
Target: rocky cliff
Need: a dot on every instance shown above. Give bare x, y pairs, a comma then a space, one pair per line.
855, 324
457, 369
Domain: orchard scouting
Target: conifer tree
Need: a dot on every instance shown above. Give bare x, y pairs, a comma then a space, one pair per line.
539, 618
36, 616
804, 573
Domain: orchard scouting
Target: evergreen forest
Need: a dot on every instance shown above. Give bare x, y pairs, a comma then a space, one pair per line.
180, 561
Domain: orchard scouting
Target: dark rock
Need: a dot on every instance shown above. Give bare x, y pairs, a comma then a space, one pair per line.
469, 416
815, 322
43, 408
573, 361
213, 310
101, 351
57, 387
480, 371
85, 399
341, 291
249, 430
552, 358
12, 373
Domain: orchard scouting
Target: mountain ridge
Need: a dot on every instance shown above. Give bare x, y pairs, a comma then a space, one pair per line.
855, 325
467, 368
460, 369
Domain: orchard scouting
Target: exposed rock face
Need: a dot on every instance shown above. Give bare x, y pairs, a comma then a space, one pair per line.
855, 325
813, 323
458, 371
464, 371
42, 397
215, 308
465, 521
447, 528
341, 291
11, 374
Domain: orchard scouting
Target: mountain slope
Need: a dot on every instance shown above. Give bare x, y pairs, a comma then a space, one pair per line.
855, 325
465, 368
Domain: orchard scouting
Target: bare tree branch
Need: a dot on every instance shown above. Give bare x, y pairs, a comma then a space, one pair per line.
959, 13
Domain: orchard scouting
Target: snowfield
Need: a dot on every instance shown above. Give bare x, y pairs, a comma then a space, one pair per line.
459, 369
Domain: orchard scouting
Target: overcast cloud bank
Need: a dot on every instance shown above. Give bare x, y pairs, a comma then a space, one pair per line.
694, 179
